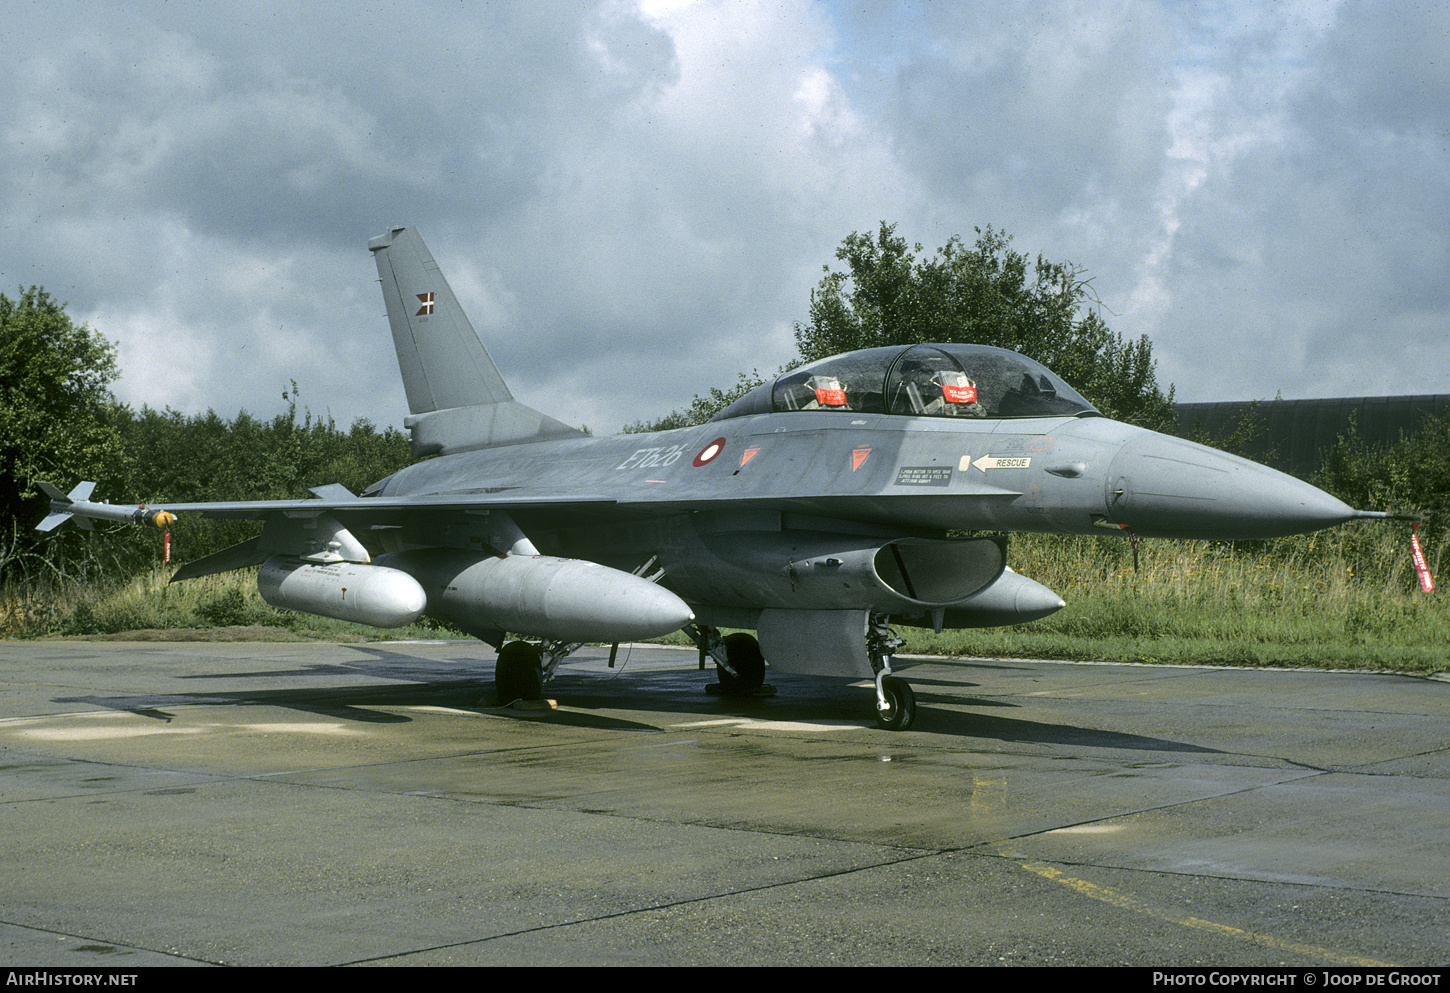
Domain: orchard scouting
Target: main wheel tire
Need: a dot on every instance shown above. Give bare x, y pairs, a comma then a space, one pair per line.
518, 674
742, 651
900, 705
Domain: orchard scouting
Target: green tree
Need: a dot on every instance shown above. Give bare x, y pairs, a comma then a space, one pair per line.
55, 420
704, 406
1412, 475
986, 294
178, 459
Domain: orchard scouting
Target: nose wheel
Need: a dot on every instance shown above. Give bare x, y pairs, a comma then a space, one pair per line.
895, 703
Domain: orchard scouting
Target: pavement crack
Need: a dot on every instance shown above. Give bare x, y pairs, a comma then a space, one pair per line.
616, 915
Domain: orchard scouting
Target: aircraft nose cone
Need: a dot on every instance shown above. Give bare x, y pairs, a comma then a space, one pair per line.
1167, 487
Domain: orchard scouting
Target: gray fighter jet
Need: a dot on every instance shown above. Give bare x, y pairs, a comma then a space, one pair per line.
817, 510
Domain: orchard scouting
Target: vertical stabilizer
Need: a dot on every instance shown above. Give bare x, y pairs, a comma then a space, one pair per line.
458, 400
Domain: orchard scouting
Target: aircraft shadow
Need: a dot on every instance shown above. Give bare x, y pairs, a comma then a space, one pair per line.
1013, 730
402, 680
357, 704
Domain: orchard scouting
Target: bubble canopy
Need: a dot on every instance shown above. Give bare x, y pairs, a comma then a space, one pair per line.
946, 380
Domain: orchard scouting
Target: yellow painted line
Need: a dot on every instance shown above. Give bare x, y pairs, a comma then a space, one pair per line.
1116, 899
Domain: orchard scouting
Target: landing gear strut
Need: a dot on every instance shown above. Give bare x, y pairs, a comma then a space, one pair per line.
895, 699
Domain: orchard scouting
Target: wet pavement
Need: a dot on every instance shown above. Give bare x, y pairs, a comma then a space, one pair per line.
305, 804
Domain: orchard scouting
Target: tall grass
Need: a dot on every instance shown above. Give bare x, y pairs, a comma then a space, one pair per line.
1347, 597
149, 603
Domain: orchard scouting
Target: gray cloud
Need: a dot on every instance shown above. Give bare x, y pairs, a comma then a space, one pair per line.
635, 199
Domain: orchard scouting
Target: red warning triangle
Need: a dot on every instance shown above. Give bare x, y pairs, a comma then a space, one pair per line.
748, 454
858, 455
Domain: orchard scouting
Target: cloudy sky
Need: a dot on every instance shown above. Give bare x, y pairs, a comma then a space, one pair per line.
634, 198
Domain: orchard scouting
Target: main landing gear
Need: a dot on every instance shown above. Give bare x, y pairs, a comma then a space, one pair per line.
739, 664
519, 673
523, 668
742, 653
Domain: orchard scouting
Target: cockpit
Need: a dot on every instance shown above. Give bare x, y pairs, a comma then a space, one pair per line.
946, 380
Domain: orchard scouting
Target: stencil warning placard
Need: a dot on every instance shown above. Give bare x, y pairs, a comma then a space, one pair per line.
924, 475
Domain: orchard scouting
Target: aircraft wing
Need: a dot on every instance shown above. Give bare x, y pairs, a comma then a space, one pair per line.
374, 507
320, 527
381, 512
334, 501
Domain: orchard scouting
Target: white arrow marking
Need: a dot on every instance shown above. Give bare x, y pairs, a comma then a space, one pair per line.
1000, 462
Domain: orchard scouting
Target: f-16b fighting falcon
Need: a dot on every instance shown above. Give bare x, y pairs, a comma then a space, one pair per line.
817, 510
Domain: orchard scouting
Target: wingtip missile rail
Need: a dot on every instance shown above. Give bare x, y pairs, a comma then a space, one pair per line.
64, 506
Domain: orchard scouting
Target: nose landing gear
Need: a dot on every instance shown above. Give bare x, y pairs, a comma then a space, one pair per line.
895, 699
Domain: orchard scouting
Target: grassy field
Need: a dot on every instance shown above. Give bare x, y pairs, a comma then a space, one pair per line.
1344, 598
1341, 598
146, 606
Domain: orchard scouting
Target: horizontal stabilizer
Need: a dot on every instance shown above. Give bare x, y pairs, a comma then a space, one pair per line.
465, 429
